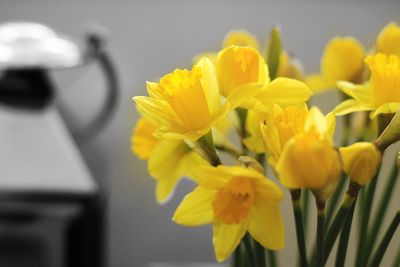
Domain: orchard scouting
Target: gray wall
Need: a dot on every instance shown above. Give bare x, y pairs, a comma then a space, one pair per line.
149, 38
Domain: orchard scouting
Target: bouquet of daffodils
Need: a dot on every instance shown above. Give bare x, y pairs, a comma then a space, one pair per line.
253, 106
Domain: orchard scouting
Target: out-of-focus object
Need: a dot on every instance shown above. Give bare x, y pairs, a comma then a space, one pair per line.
51, 209
29, 50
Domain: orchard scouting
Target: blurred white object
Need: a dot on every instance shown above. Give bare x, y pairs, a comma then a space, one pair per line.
34, 45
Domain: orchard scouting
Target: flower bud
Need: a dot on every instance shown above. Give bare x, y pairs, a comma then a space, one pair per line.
360, 161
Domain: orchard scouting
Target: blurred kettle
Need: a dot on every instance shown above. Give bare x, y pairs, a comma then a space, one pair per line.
28, 50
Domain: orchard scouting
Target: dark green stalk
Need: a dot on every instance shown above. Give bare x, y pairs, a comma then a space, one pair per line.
396, 262
365, 214
320, 235
237, 257
249, 249
260, 254
380, 252
242, 116
382, 207
305, 196
344, 238
301, 243
333, 201
336, 225
271, 257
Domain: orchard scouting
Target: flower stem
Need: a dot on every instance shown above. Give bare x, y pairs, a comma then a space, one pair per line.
333, 201
384, 201
271, 256
260, 254
237, 257
336, 225
320, 234
242, 116
301, 243
344, 237
365, 214
396, 262
378, 255
249, 249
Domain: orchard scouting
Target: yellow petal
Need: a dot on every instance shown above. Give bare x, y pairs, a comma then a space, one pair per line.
210, 85
343, 59
156, 110
239, 66
212, 56
360, 161
388, 108
152, 90
318, 83
243, 93
143, 139
195, 209
285, 92
241, 38
227, 237
266, 225
303, 151
351, 105
360, 92
167, 165
388, 40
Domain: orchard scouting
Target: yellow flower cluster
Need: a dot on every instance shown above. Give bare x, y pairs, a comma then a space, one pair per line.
233, 89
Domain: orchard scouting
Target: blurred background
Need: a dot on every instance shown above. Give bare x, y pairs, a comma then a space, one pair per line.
147, 39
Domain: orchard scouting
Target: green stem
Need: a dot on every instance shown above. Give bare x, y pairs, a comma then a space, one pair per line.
320, 235
301, 243
344, 238
249, 249
396, 262
365, 214
333, 201
237, 257
378, 255
384, 201
242, 116
229, 149
260, 254
305, 208
271, 257
336, 225
207, 149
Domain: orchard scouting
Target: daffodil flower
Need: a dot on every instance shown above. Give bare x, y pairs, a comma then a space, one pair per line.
236, 38
309, 158
185, 104
360, 161
388, 41
244, 80
381, 95
235, 200
342, 60
279, 126
168, 161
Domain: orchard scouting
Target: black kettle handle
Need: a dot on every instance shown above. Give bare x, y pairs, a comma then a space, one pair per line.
96, 52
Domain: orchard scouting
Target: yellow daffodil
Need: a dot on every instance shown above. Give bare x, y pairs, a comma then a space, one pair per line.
185, 104
309, 159
242, 72
236, 38
168, 161
342, 60
381, 94
279, 126
240, 38
360, 161
244, 80
235, 200
388, 41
